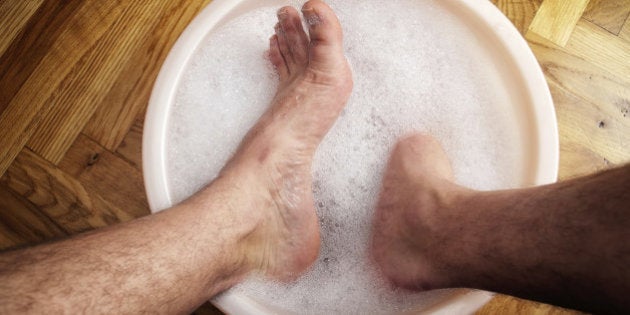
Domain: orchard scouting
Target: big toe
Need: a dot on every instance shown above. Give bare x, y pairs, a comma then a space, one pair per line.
324, 30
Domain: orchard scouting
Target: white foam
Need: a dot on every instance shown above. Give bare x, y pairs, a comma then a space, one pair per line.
416, 68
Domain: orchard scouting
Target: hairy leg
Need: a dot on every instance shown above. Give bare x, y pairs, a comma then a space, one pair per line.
257, 216
565, 243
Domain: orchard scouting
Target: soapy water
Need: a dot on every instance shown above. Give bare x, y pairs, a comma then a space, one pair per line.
416, 67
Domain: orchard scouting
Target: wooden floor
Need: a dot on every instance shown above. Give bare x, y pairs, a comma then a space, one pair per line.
75, 78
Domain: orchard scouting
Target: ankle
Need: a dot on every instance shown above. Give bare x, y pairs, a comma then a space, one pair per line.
441, 212
469, 238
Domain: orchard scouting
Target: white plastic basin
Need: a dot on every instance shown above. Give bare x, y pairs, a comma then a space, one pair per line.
529, 90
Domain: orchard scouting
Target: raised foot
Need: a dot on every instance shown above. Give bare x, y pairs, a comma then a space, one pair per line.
315, 83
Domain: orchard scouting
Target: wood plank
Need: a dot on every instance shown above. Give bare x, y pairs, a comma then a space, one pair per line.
608, 14
83, 29
13, 17
504, 304
131, 91
521, 13
22, 224
604, 92
9, 239
76, 100
580, 76
556, 19
131, 147
590, 106
23, 54
63, 198
24, 220
114, 179
601, 48
625, 31
585, 147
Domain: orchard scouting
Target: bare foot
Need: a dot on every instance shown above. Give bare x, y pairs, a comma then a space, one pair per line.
556, 243
315, 83
408, 235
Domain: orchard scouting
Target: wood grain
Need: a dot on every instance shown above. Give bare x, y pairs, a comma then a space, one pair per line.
580, 152
75, 78
27, 50
20, 118
130, 148
22, 221
114, 179
9, 239
625, 31
608, 14
601, 48
504, 304
76, 100
62, 197
130, 94
521, 13
556, 19
15, 16
589, 104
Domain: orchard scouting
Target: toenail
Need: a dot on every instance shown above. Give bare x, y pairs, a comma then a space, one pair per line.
311, 16
314, 20
282, 13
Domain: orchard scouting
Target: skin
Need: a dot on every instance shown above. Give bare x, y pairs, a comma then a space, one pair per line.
565, 244
257, 216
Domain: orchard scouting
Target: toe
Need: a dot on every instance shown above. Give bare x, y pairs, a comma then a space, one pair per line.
276, 58
294, 35
323, 25
283, 46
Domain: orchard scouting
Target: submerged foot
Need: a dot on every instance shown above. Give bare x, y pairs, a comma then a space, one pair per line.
409, 235
315, 83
